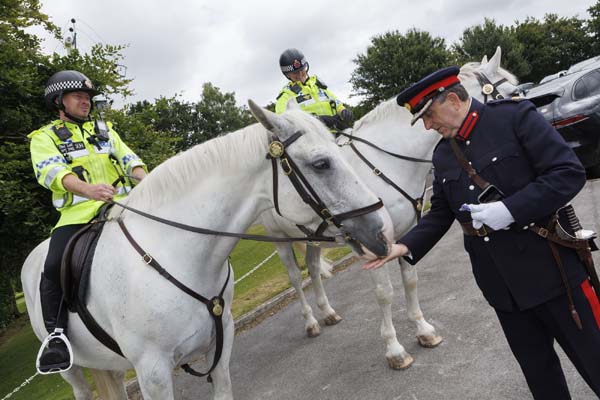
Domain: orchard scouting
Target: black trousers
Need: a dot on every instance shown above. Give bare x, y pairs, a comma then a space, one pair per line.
531, 335
50, 291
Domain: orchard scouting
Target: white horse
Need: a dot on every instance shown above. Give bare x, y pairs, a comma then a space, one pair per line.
387, 126
223, 185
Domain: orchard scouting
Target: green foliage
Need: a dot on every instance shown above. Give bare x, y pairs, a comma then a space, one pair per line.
480, 40
393, 61
552, 45
593, 27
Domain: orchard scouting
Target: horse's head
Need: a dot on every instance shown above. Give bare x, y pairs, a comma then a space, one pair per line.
487, 80
308, 153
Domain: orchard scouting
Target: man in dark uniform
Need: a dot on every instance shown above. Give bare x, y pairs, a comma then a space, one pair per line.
509, 146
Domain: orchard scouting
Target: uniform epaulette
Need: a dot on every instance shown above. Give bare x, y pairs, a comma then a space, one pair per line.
515, 99
43, 128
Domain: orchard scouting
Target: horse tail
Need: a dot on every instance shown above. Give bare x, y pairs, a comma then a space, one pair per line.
109, 384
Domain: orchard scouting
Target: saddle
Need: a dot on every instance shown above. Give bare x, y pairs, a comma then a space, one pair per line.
75, 271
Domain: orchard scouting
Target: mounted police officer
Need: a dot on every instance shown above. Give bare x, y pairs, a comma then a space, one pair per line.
503, 172
78, 160
311, 94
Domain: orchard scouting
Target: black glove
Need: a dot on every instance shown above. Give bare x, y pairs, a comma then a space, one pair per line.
333, 122
346, 115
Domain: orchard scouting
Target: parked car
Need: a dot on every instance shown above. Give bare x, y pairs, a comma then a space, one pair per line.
571, 103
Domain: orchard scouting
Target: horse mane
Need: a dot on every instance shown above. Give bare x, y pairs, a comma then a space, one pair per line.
236, 151
381, 112
468, 71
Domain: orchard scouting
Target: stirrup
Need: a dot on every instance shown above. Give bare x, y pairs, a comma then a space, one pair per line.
59, 367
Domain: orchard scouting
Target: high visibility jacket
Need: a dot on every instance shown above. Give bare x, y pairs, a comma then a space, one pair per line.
312, 96
62, 148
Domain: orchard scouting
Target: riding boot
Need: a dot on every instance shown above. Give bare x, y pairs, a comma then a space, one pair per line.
55, 356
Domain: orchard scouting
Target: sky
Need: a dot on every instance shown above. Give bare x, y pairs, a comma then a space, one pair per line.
174, 47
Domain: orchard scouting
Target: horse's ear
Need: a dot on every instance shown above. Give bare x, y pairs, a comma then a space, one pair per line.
494, 64
268, 119
484, 60
292, 104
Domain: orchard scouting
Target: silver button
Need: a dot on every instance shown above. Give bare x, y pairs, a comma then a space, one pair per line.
486, 239
532, 224
525, 227
470, 163
494, 159
468, 142
444, 180
471, 187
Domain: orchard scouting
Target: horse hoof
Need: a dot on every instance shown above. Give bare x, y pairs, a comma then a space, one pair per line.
399, 363
429, 341
332, 319
313, 331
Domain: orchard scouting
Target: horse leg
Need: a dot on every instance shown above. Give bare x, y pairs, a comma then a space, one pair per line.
154, 374
110, 384
81, 387
426, 334
313, 261
287, 257
396, 355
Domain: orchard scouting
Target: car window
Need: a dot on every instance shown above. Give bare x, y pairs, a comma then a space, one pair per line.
588, 85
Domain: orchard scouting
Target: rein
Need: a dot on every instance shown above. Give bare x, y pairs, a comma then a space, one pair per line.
417, 203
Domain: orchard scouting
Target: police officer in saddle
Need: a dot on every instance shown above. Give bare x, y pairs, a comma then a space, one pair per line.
503, 172
311, 94
84, 163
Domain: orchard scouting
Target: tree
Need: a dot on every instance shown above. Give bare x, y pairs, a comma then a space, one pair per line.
392, 62
593, 27
26, 214
481, 40
553, 44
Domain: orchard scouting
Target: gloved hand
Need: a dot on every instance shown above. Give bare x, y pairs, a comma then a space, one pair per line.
495, 215
346, 115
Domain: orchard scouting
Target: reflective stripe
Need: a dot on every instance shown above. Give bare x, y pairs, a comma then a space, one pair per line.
129, 157
78, 153
60, 202
78, 199
52, 160
52, 174
133, 165
592, 299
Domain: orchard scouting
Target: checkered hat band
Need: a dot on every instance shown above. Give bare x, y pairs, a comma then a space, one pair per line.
65, 85
290, 68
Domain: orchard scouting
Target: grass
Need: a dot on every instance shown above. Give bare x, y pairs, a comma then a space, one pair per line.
20, 345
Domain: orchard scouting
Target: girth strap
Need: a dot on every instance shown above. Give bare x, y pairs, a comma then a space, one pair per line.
215, 306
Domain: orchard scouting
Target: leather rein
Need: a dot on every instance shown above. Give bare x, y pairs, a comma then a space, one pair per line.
216, 304
417, 203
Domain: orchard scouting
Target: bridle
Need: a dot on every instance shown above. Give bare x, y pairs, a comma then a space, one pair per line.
216, 304
417, 203
277, 151
488, 88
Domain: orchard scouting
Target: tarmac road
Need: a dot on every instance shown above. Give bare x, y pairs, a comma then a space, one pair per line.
275, 359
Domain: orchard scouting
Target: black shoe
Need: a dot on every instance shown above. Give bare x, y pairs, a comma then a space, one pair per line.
55, 357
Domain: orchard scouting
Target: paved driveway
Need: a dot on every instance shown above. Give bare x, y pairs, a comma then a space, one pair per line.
275, 360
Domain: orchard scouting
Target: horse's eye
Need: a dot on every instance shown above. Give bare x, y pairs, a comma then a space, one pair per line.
321, 164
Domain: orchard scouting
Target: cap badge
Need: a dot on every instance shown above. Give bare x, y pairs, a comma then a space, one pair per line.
297, 64
87, 83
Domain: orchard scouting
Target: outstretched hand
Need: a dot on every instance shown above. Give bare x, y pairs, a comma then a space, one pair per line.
397, 250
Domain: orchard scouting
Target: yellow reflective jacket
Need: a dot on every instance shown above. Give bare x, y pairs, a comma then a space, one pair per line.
312, 96
62, 148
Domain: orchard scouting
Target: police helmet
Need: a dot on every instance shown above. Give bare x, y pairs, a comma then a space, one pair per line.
292, 60
64, 82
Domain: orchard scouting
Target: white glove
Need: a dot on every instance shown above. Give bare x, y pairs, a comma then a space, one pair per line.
495, 215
